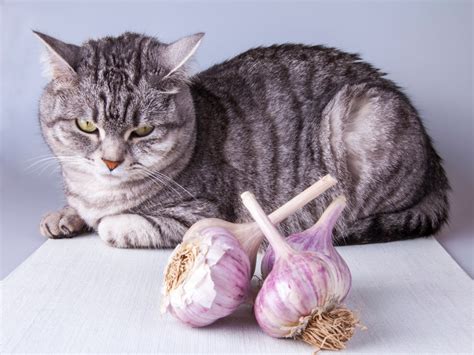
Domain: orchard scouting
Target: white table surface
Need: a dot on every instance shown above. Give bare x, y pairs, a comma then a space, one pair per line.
79, 295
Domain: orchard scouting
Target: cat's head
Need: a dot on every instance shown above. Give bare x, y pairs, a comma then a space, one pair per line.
118, 108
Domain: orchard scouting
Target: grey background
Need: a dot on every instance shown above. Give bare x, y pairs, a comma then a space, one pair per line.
425, 46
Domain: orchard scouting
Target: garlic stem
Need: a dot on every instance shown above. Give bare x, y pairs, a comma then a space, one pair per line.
302, 199
332, 212
282, 249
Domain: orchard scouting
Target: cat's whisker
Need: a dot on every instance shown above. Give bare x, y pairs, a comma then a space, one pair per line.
54, 171
43, 164
157, 173
154, 181
38, 157
49, 159
48, 165
147, 174
39, 161
174, 182
164, 184
41, 167
44, 168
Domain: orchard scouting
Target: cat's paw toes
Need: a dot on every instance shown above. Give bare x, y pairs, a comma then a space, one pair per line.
49, 226
70, 225
60, 225
114, 234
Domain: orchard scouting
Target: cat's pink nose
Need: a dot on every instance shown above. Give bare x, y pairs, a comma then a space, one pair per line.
111, 164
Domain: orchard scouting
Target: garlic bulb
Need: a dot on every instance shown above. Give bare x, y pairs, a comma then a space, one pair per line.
317, 238
301, 296
206, 278
199, 286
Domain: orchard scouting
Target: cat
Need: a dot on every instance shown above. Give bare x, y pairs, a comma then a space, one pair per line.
146, 150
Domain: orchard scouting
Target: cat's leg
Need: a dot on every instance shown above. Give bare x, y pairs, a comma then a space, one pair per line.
64, 223
376, 146
129, 231
149, 231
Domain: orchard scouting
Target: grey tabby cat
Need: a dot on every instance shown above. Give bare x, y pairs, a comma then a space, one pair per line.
146, 150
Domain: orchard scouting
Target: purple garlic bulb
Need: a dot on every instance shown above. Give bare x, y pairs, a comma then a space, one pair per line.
302, 294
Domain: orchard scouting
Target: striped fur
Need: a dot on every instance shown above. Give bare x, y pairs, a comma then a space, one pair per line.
271, 120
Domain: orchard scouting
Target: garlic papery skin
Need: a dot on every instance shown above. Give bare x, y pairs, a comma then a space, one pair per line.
301, 296
317, 238
207, 278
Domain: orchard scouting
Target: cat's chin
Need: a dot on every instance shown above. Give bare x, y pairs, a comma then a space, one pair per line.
113, 178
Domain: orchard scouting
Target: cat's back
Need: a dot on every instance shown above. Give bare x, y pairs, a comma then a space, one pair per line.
295, 57
311, 71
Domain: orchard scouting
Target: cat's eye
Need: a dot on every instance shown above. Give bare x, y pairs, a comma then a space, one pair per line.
86, 126
143, 131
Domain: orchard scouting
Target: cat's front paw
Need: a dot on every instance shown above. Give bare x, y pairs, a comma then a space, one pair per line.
62, 224
128, 231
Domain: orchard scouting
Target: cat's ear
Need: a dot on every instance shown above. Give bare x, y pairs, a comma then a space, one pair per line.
176, 54
61, 58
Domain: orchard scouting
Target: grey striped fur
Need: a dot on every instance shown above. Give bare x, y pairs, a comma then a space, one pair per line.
271, 120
